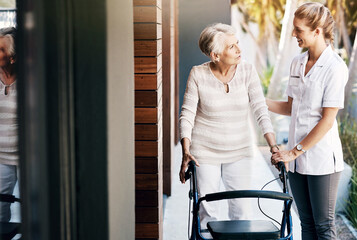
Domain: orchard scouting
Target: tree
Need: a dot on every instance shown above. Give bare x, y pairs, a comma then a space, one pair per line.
285, 54
267, 14
337, 9
352, 83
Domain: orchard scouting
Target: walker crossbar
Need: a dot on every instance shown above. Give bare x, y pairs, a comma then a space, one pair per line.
8, 198
247, 194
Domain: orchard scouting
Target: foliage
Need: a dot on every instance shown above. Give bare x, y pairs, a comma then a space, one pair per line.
348, 129
350, 10
351, 14
265, 78
352, 203
268, 14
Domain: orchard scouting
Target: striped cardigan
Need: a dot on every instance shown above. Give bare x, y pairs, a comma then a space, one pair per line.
216, 122
8, 125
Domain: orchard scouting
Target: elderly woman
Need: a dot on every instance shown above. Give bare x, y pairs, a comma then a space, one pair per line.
214, 122
8, 120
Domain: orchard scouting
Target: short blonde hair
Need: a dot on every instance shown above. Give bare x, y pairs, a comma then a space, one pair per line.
212, 38
317, 15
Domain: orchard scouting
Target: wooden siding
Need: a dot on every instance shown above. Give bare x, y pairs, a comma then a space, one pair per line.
148, 119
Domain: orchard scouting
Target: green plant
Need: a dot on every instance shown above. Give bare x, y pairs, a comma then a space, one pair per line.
348, 129
352, 202
265, 78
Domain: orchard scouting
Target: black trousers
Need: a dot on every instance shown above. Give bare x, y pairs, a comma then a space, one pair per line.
315, 198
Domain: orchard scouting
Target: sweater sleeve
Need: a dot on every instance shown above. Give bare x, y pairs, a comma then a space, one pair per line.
189, 107
257, 102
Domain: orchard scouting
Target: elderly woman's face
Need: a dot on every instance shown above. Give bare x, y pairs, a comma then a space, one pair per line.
231, 53
5, 56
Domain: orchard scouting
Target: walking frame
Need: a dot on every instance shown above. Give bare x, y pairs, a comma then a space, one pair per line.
241, 229
8, 230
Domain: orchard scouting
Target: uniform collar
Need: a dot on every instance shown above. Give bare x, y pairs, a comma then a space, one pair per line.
323, 59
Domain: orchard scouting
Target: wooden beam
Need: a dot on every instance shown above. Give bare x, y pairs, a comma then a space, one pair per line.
146, 148
148, 3
148, 81
147, 230
147, 48
146, 181
145, 198
146, 98
147, 31
147, 14
146, 132
146, 165
167, 58
146, 115
146, 214
148, 64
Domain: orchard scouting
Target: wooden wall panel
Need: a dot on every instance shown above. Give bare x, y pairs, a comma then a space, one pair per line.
146, 181
147, 48
146, 148
145, 198
147, 230
147, 31
148, 118
157, 3
146, 214
148, 64
146, 165
146, 115
146, 132
148, 81
147, 14
146, 98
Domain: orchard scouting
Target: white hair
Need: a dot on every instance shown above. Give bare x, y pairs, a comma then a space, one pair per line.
212, 38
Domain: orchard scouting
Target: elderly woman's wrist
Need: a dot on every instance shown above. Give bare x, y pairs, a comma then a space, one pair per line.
274, 147
186, 152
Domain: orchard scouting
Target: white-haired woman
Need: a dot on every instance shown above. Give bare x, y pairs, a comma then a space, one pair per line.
8, 119
214, 125
315, 94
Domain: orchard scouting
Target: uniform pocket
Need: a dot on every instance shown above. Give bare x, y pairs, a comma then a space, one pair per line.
314, 93
294, 80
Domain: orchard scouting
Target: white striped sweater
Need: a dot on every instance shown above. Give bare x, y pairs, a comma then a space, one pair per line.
217, 122
8, 125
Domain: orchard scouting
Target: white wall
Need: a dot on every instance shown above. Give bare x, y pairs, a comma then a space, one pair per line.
120, 109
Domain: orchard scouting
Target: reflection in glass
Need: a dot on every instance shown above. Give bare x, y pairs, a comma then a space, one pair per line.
9, 171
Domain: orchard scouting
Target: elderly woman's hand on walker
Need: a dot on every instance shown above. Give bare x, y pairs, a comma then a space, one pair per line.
283, 156
186, 158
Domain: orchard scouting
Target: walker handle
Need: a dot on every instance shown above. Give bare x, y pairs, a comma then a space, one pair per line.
189, 171
281, 166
